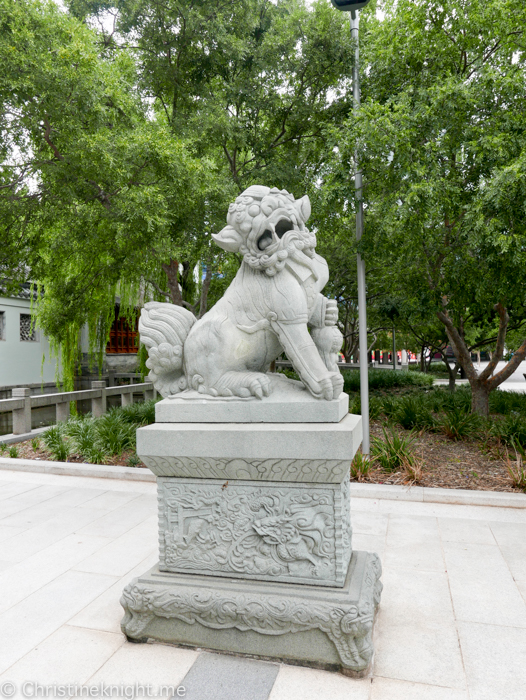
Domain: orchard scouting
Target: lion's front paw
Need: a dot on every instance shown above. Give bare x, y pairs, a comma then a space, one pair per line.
337, 384
331, 386
243, 384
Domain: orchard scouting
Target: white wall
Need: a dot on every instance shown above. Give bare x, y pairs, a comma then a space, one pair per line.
21, 361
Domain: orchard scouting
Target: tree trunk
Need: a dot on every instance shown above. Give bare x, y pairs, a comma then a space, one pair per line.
172, 275
485, 382
480, 398
452, 371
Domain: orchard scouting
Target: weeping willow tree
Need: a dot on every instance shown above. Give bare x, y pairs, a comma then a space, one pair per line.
94, 191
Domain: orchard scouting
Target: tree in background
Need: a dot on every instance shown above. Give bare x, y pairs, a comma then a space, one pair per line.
124, 148
252, 84
441, 136
90, 185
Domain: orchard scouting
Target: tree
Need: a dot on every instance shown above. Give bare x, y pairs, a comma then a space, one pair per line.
90, 185
441, 136
251, 83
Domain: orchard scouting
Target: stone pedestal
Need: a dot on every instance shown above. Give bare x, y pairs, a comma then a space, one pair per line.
255, 531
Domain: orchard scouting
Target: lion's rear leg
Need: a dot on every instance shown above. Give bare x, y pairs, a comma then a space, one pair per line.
243, 384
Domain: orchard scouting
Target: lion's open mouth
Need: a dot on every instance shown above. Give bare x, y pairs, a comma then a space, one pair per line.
280, 229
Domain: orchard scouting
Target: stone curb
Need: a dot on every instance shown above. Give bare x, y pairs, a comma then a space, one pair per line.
425, 494
70, 469
379, 491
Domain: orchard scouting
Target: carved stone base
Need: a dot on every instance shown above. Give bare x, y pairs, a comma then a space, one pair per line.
309, 625
278, 531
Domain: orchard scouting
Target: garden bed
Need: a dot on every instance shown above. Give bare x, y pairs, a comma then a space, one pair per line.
464, 464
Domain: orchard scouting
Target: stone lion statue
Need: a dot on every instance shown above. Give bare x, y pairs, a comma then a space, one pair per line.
268, 308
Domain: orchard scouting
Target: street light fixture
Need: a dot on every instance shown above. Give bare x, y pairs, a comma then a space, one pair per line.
353, 6
349, 5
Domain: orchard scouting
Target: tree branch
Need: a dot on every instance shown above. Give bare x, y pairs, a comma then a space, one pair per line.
501, 337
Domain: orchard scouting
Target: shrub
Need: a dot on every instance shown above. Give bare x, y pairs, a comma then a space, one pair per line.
506, 402
139, 413
412, 412
385, 379
133, 461
511, 430
360, 466
35, 444
438, 369
390, 406
457, 424
13, 451
55, 443
413, 471
517, 470
289, 372
375, 407
84, 439
394, 450
113, 433
3, 448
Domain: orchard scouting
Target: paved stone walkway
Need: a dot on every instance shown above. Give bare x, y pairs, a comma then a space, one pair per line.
452, 624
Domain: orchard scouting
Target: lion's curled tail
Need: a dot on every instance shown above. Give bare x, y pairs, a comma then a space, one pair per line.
163, 329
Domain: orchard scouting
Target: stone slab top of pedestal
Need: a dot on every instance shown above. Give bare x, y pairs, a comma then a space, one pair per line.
252, 441
288, 402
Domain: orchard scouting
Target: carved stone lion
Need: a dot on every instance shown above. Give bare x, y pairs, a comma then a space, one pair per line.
269, 307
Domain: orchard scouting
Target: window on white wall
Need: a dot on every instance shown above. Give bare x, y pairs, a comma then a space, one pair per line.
2, 325
27, 328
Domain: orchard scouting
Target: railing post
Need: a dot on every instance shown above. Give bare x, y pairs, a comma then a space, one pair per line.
22, 416
126, 399
98, 405
63, 413
150, 392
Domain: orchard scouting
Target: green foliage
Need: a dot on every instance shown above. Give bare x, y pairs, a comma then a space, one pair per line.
511, 430
3, 448
115, 433
54, 441
393, 451
92, 185
517, 471
289, 372
133, 461
139, 413
457, 424
437, 369
380, 379
35, 444
441, 139
506, 402
412, 412
97, 439
13, 451
360, 466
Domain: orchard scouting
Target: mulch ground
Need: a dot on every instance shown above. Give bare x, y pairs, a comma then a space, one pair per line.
464, 464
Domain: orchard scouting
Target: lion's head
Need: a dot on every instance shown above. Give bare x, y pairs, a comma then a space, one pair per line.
267, 226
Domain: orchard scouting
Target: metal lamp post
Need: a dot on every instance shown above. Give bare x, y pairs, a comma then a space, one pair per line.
353, 6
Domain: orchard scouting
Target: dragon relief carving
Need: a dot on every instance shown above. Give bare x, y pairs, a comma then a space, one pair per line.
349, 627
277, 533
268, 308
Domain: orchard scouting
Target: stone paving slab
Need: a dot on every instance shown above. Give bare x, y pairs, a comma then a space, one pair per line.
233, 677
451, 625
